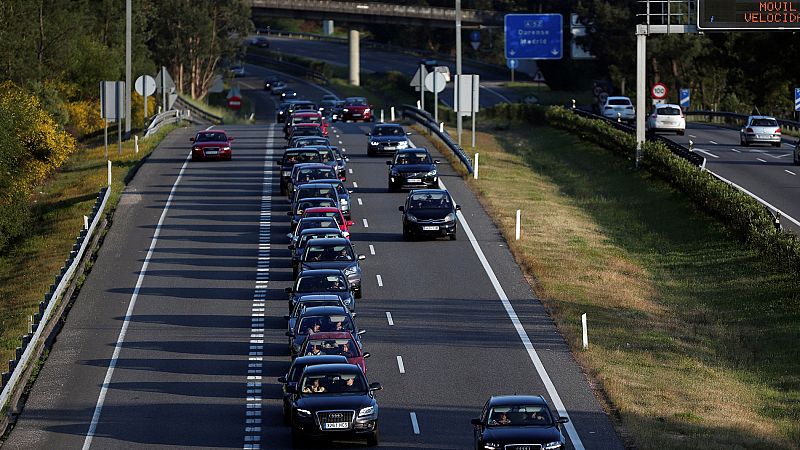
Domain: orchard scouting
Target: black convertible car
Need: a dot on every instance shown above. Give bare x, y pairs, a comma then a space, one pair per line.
518, 422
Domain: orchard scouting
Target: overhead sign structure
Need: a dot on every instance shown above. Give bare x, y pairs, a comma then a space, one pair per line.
534, 36
743, 15
686, 96
658, 91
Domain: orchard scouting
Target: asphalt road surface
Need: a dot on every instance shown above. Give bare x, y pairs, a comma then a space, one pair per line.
177, 337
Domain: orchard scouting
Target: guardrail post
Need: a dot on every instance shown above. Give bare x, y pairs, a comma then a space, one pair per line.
518, 226
475, 169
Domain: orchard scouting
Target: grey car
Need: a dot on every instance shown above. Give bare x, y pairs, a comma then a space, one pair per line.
334, 253
760, 130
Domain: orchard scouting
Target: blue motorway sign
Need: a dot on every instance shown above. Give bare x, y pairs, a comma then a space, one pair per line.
475, 36
534, 36
686, 98
797, 99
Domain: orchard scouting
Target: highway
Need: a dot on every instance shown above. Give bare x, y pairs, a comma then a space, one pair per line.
177, 337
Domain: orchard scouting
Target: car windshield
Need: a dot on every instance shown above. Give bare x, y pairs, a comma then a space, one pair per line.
327, 154
292, 158
619, 101
307, 237
332, 214
315, 174
333, 383
412, 158
764, 123
314, 203
434, 200
320, 324
388, 131
307, 142
317, 283
335, 252
211, 137
316, 222
356, 102
519, 415
669, 111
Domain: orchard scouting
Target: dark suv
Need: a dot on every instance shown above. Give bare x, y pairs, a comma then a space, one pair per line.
334, 401
412, 168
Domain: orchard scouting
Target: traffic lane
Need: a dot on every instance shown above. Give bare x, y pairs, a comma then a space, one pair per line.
385, 229
61, 402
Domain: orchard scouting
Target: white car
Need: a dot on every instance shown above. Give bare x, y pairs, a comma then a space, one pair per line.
238, 71
619, 108
667, 117
760, 130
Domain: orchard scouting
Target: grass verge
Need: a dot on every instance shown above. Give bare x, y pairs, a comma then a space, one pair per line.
692, 335
547, 96
28, 268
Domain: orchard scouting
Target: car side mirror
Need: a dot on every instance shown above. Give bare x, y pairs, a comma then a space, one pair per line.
401, 208
361, 257
350, 223
476, 422
289, 334
360, 332
388, 163
286, 317
191, 139
562, 420
231, 138
436, 161
458, 207
366, 355
288, 290
375, 387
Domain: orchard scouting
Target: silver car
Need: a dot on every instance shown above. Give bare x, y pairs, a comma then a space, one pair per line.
619, 108
760, 130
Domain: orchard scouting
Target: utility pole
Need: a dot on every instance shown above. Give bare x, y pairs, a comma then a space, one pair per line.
458, 65
641, 55
128, 84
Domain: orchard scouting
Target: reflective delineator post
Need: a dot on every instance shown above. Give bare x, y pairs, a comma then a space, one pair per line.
136, 143
391, 113
475, 169
441, 127
382, 116
85, 222
517, 231
585, 332
109, 172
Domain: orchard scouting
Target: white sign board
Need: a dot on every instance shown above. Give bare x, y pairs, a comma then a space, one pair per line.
467, 90
112, 100
435, 82
145, 85
169, 84
659, 91
217, 85
419, 78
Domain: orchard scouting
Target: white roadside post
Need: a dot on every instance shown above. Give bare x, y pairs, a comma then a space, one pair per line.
517, 228
109, 172
391, 113
418, 105
475, 169
585, 332
85, 222
641, 45
382, 116
441, 127
136, 143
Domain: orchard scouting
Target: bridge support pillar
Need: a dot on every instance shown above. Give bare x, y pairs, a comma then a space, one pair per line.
327, 27
354, 58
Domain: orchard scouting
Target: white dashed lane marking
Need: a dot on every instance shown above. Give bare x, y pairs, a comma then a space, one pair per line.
371, 249
355, 185
360, 203
763, 161
400, 364
789, 172
737, 151
380, 280
414, 424
366, 224
350, 171
389, 318
713, 142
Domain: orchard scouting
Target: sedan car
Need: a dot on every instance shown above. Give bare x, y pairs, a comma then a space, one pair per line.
356, 109
334, 254
334, 401
619, 108
429, 212
412, 168
306, 173
330, 213
318, 319
518, 421
667, 117
760, 130
211, 144
309, 203
321, 281
387, 137
292, 156
292, 377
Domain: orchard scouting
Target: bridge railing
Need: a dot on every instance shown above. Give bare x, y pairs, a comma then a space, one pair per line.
425, 119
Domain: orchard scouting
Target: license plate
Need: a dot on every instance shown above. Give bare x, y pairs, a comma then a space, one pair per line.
430, 228
415, 180
356, 115
212, 152
389, 147
336, 426
286, 173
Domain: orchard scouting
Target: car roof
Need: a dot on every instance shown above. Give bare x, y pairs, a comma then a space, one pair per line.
428, 191
320, 359
618, 97
215, 130
329, 180
306, 113
320, 369
322, 208
313, 184
329, 241
762, 117
330, 334
413, 150
510, 400
388, 125
320, 230
667, 105
311, 297
321, 272
299, 150
326, 310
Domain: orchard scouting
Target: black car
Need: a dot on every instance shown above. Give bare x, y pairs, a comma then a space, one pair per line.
334, 401
334, 253
387, 137
337, 159
314, 189
309, 202
268, 81
283, 108
294, 156
310, 301
412, 168
296, 370
288, 93
322, 281
518, 420
429, 212
320, 319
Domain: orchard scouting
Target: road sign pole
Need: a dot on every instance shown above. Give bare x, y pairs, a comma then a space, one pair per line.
512, 74
422, 86
458, 63
435, 99
641, 54
128, 85
105, 134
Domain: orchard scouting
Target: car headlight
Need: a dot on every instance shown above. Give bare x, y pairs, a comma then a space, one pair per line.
373, 142
491, 446
432, 173
394, 173
368, 411
350, 271
345, 110
303, 412
343, 201
195, 149
366, 110
552, 445
411, 218
450, 217
226, 149
402, 144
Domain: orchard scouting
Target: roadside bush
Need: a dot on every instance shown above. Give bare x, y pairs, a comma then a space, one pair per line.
32, 146
84, 117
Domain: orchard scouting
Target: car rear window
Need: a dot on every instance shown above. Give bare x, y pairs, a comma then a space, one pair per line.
668, 111
619, 101
764, 123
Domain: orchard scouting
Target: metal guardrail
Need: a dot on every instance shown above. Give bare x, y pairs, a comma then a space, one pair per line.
164, 118
425, 119
196, 114
50, 308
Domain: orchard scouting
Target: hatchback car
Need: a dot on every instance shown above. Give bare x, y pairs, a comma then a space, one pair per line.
412, 168
667, 118
306, 173
386, 137
321, 281
318, 319
429, 212
760, 130
518, 421
304, 204
619, 108
334, 254
334, 401
292, 377
211, 144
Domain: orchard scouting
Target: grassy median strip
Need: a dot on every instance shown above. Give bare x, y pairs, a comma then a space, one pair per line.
29, 267
692, 337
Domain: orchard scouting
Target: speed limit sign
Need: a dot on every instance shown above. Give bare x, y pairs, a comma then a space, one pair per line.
658, 91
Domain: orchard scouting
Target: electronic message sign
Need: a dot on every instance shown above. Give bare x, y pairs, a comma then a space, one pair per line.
748, 15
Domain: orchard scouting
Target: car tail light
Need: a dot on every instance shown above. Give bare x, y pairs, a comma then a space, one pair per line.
749, 130
778, 130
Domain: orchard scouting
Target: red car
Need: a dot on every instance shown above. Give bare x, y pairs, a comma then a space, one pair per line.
335, 343
357, 108
305, 117
211, 144
332, 212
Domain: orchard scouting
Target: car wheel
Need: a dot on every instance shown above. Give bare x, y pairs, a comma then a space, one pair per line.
681, 132
298, 440
357, 293
372, 439
453, 236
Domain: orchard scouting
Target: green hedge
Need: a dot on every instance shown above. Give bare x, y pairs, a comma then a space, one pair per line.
739, 212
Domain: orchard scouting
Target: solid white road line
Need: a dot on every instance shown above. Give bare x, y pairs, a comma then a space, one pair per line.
789, 172
371, 249
737, 151
692, 136
759, 199
523, 335
98, 409
705, 152
389, 318
781, 156
414, 424
400, 364
366, 224
380, 280
761, 160
713, 142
